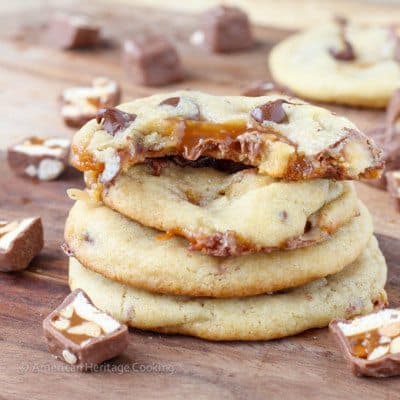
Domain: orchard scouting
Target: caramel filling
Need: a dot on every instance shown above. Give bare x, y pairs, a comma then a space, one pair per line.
185, 137
363, 344
75, 321
379, 341
191, 132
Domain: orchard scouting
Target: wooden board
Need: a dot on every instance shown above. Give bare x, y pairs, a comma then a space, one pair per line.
154, 366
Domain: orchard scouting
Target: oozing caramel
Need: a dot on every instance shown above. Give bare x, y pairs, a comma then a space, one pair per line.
191, 132
84, 161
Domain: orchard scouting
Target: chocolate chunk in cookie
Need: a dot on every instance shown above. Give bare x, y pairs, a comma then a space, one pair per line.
271, 111
114, 120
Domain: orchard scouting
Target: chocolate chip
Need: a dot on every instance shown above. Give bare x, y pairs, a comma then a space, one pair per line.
114, 120
344, 54
307, 227
283, 215
88, 238
171, 101
271, 111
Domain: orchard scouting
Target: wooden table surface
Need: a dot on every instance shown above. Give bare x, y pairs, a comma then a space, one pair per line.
154, 366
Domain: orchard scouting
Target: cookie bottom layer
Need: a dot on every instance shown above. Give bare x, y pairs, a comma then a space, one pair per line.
353, 291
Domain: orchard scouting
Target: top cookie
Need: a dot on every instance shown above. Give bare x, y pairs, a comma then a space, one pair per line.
340, 62
283, 137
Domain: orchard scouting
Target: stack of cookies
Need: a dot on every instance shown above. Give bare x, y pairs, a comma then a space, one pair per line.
226, 218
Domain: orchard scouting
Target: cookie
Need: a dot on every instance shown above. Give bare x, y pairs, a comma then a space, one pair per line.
283, 137
125, 251
341, 62
355, 290
225, 214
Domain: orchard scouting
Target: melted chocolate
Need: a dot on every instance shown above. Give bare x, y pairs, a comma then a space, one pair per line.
171, 101
271, 111
114, 120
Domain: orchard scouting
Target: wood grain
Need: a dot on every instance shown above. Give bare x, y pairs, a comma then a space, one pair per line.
31, 76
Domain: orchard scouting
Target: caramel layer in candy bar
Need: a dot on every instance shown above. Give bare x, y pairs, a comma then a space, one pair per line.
81, 335
371, 343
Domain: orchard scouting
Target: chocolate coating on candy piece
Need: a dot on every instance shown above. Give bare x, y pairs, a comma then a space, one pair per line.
20, 241
271, 111
226, 29
39, 158
114, 120
371, 343
72, 32
152, 60
81, 335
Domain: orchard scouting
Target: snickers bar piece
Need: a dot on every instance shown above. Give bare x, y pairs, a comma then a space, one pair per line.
41, 158
72, 32
393, 186
152, 60
388, 138
224, 29
371, 343
80, 104
20, 241
81, 335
